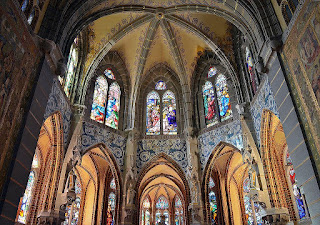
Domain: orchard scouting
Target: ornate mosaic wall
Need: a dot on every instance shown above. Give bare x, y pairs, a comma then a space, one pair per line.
57, 102
19, 56
301, 55
230, 133
92, 135
175, 148
264, 99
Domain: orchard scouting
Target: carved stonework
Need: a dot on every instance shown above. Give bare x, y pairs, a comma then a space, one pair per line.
50, 218
129, 214
276, 216
196, 214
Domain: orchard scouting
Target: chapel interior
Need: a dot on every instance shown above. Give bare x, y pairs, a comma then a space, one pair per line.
175, 112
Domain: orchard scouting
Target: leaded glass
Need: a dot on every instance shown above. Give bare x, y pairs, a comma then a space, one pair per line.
71, 66
212, 71
35, 161
258, 211
24, 5
31, 16
157, 219
26, 199
67, 215
99, 99
177, 218
113, 184
153, 114
161, 85
113, 106
223, 97
246, 185
108, 73
112, 201
209, 104
147, 217
211, 183
169, 113
250, 64
146, 203
248, 209
178, 203
213, 208
142, 218
75, 212
166, 220
77, 187
297, 194
162, 203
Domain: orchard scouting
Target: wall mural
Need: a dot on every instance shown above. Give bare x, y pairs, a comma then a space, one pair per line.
301, 55
175, 148
230, 133
264, 100
93, 134
57, 102
18, 57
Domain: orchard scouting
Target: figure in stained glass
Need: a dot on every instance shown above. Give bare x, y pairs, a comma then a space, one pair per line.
99, 99
213, 208
113, 106
211, 183
162, 203
212, 71
108, 73
153, 114
209, 103
297, 194
250, 64
113, 184
112, 201
169, 113
161, 85
223, 97
26, 199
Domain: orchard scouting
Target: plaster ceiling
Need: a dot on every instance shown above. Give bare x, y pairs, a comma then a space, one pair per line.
145, 43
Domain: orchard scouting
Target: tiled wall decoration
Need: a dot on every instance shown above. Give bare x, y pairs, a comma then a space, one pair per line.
230, 133
264, 100
149, 148
58, 102
93, 134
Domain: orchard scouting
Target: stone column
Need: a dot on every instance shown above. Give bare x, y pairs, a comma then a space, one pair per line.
195, 206
129, 206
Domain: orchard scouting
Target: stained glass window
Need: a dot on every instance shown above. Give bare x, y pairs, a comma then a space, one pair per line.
169, 113
67, 215
213, 208
249, 62
211, 183
112, 201
223, 97
31, 16
177, 218
146, 203
99, 99
108, 73
24, 5
212, 71
153, 114
26, 200
162, 203
297, 194
75, 212
71, 67
178, 202
142, 218
113, 184
77, 187
248, 209
166, 220
157, 219
147, 217
209, 104
178, 212
113, 106
161, 85
35, 161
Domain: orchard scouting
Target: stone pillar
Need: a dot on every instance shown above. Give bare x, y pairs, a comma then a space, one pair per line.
129, 206
195, 206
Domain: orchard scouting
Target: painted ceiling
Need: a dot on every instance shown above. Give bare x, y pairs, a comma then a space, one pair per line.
144, 40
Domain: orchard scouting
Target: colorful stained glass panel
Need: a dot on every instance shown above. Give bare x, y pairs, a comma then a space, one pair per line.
71, 66
147, 217
99, 99
35, 161
113, 106
248, 209
153, 114
211, 183
77, 187
146, 203
113, 184
246, 185
212, 71
108, 73
250, 64
26, 199
209, 104
162, 203
178, 203
223, 97
169, 113
297, 194
213, 208
161, 85
112, 201
75, 212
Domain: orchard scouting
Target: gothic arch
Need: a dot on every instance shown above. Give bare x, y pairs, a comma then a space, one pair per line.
151, 183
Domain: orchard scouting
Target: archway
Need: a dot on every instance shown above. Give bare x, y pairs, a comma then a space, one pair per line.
41, 191
162, 190
224, 189
283, 189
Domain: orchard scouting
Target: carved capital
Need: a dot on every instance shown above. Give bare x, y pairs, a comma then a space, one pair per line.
275, 43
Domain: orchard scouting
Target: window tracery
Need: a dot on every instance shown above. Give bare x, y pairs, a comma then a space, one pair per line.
106, 100
73, 210
111, 204
178, 220
145, 212
166, 107
216, 99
